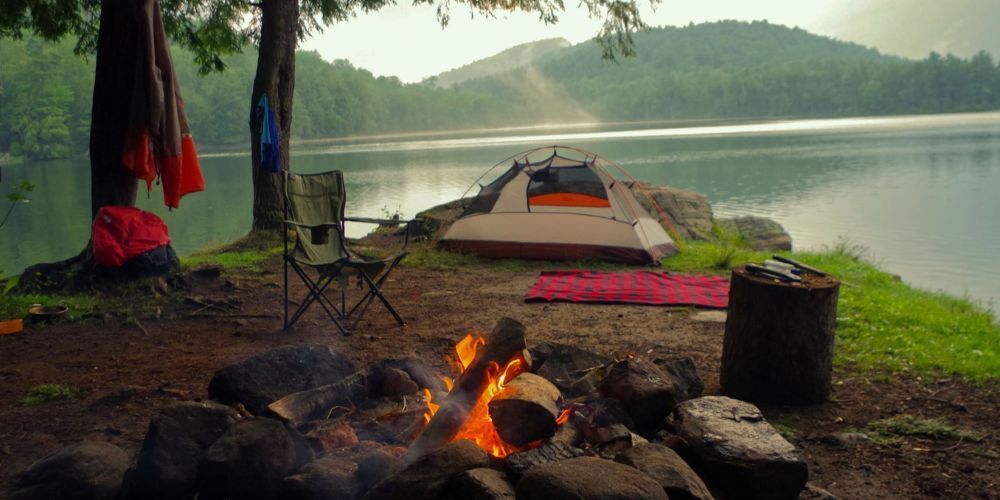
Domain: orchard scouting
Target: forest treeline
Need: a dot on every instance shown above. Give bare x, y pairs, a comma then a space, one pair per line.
723, 69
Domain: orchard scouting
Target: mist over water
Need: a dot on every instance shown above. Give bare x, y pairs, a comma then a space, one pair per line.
918, 191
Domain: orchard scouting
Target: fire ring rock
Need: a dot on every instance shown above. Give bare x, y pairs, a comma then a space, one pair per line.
262, 379
679, 481
481, 484
88, 470
250, 460
174, 446
731, 439
648, 391
427, 477
590, 478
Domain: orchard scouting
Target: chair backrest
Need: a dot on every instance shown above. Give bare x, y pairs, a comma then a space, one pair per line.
313, 199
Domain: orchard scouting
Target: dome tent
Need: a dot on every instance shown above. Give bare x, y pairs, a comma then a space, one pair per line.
558, 203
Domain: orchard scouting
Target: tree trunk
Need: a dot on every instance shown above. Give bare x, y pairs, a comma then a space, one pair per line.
115, 70
276, 78
778, 346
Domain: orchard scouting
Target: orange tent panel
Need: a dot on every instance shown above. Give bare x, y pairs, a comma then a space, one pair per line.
568, 200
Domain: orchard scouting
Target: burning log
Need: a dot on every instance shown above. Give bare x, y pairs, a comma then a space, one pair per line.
504, 343
302, 406
526, 409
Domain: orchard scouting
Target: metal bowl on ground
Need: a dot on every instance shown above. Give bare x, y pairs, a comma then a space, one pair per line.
41, 312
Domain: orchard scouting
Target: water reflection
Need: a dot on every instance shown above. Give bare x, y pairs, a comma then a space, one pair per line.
918, 191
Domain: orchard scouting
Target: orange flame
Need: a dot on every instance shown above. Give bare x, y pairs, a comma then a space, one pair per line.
564, 416
479, 426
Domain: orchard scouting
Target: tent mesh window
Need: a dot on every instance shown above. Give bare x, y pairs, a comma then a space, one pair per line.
570, 186
484, 201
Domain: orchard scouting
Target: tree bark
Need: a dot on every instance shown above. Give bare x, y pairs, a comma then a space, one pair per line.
115, 71
778, 346
276, 78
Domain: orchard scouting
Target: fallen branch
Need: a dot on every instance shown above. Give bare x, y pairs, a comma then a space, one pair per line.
320, 402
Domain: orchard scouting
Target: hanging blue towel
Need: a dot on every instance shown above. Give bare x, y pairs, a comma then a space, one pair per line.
270, 138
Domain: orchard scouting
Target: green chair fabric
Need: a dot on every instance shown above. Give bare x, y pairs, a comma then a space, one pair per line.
314, 209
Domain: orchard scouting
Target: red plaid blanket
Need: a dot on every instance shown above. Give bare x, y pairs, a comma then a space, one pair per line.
630, 287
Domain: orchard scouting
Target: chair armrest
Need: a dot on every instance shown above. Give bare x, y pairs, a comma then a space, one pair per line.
310, 226
383, 222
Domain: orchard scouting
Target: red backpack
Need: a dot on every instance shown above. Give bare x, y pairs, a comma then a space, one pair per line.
120, 233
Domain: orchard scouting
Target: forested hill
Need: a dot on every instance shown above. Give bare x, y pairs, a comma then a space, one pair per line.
513, 58
736, 69
724, 69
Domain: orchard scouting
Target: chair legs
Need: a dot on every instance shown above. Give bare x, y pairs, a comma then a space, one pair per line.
315, 294
345, 319
375, 291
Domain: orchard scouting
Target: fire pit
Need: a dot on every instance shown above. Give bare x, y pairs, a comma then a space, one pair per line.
551, 422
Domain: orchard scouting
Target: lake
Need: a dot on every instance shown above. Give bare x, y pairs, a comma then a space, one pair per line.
920, 192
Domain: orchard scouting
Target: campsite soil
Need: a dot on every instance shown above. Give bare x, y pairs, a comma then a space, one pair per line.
131, 368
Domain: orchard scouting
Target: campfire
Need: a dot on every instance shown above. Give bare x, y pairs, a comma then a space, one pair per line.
494, 402
479, 426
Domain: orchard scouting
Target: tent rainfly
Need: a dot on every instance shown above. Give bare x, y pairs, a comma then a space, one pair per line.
561, 207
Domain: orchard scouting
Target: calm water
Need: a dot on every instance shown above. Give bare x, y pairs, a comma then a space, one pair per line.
920, 192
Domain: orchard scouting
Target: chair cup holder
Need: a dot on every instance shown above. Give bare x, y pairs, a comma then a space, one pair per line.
319, 235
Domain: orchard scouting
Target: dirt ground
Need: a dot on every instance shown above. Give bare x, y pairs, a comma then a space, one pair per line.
132, 368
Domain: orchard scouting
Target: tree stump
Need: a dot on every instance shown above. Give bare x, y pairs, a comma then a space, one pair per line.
778, 346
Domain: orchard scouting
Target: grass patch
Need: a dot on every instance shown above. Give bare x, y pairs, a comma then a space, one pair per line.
14, 305
426, 256
890, 430
247, 254
787, 431
51, 392
882, 322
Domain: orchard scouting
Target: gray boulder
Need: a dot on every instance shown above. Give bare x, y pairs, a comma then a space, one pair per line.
433, 222
734, 443
688, 212
481, 484
427, 477
648, 392
759, 233
175, 444
664, 465
688, 383
85, 471
263, 379
568, 367
587, 478
250, 460
344, 473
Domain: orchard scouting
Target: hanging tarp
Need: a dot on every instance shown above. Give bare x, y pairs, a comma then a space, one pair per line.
158, 142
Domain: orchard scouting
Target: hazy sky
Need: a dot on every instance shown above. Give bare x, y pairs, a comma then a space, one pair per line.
407, 41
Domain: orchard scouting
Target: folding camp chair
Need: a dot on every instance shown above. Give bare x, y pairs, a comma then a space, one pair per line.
314, 209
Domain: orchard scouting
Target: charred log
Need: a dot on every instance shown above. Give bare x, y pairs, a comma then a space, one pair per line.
526, 409
517, 464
